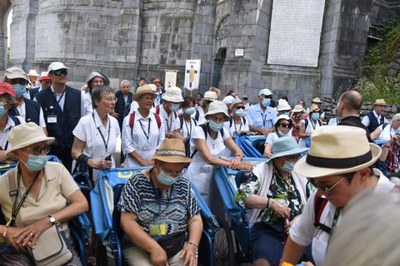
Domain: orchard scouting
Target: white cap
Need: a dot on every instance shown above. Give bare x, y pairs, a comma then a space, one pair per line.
56, 66
173, 94
228, 100
43, 74
265, 92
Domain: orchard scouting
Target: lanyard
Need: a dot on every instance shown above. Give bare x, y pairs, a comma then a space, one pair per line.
240, 127
101, 133
189, 132
148, 129
62, 95
170, 124
264, 118
157, 194
16, 207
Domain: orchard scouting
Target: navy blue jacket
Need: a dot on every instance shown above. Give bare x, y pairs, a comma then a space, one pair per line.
120, 107
32, 111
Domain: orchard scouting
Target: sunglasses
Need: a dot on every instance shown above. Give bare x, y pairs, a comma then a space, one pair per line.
328, 191
268, 96
240, 107
286, 125
245, 99
60, 72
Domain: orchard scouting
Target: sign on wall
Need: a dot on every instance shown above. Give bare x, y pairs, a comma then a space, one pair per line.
170, 78
295, 34
192, 74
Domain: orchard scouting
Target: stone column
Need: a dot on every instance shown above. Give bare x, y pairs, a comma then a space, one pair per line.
5, 7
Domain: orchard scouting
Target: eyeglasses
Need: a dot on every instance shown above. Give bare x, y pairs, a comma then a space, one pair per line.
60, 72
328, 191
177, 174
39, 150
286, 125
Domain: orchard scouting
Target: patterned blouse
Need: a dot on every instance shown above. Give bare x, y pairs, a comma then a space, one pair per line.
393, 158
281, 189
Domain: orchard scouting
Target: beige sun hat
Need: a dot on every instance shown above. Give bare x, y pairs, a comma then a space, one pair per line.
316, 100
18, 136
153, 87
210, 96
380, 102
173, 94
33, 73
15, 73
172, 151
217, 107
237, 101
145, 89
298, 109
337, 150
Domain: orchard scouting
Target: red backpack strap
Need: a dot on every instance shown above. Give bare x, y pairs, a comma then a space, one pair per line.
158, 120
319, 206
157, 110
132, 120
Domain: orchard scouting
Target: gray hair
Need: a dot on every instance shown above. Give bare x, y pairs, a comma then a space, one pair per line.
124, 81
367, 233
98, 92
396, 117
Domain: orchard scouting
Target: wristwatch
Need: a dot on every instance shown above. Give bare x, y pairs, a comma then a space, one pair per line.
52, 220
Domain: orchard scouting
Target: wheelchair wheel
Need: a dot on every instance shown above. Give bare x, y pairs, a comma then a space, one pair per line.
223, 245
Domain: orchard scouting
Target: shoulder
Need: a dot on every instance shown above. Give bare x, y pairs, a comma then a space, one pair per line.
118, 93
32, 103
73, 91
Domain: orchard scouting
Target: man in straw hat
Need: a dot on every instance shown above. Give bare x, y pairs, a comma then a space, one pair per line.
341, 162
375, 118
159, 214
32, 79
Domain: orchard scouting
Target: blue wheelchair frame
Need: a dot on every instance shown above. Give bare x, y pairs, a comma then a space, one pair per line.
245, 142
107, 224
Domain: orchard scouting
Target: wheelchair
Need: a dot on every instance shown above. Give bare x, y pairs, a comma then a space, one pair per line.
216, 243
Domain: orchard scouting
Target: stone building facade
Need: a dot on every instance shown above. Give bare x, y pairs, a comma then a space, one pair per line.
126, 39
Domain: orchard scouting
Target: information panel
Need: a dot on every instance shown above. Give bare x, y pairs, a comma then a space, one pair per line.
295, 34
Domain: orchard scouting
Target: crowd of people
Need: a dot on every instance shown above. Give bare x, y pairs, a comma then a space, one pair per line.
315, 164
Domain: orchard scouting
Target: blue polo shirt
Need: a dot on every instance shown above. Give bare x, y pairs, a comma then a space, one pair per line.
261, 119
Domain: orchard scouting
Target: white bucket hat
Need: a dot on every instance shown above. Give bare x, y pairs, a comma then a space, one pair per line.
153, 87
298, 109
210, 96
283, 105
18, 136
217, 107
337, 150
173, 94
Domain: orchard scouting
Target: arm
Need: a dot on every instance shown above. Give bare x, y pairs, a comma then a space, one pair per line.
302, 131
268, 150
142, 240
202, 148
190, 250
292, 251
77, 149
374, 135
177, 134
236, 162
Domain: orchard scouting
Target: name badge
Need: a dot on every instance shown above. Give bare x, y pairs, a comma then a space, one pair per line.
158, 229
52, 119
147, 147
205, 169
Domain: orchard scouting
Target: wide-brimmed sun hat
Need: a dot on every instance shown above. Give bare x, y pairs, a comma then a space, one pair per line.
316, 100
286, 146
15, 73
210, 96
237, 101
283, 105
173, 94
98, 74
33, 73
172, 151
380, 102
298, 109
153, 87
27, 134
337, 150
217, 107
142, 90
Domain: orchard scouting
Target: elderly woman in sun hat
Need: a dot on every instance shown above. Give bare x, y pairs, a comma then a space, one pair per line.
283, 126
142, 130
53, 196
237, 122
209, 97
341, 162
96, 78
159, 214
208, 145
297, 114
275, 196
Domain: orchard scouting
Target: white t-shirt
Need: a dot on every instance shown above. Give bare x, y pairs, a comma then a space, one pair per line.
303, 231
215, 146
22, 111
87, 107
232, 127
171, 121
88, 130
387, 133
187, 127
4, 145
202, 116
271, 138
144, 137
309, 129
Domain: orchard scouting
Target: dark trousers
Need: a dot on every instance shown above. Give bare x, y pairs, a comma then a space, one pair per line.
64, 154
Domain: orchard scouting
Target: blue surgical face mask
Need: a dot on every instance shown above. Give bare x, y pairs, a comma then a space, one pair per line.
174, 107
215, 126
286, 113
240, 112
288, 166
315, 116
165, 179
190, 110
266, 102
36, 162
19, 90
281, 134
3, 110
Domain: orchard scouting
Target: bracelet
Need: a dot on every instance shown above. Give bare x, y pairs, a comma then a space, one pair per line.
194, 246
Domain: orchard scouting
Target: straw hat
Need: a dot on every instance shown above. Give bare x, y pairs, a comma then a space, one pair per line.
217, 107
316, 100
145, 89
33, 73
285, 146
380, 102
173, 94
15, 73
6, 88
337, 150
265, 92
172, 151
210, 96
298, 109
283, 105
18, 136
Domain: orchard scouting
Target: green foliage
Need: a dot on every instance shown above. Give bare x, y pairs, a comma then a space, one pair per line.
376, 82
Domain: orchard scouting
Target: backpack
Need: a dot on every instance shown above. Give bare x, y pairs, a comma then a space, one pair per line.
319, 206
187, 139
158, 111
197, 115
306, 122
181, 121
132, 120
204, 127
231, 121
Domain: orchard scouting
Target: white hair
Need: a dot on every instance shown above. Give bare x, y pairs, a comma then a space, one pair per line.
368, 233
123, 82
